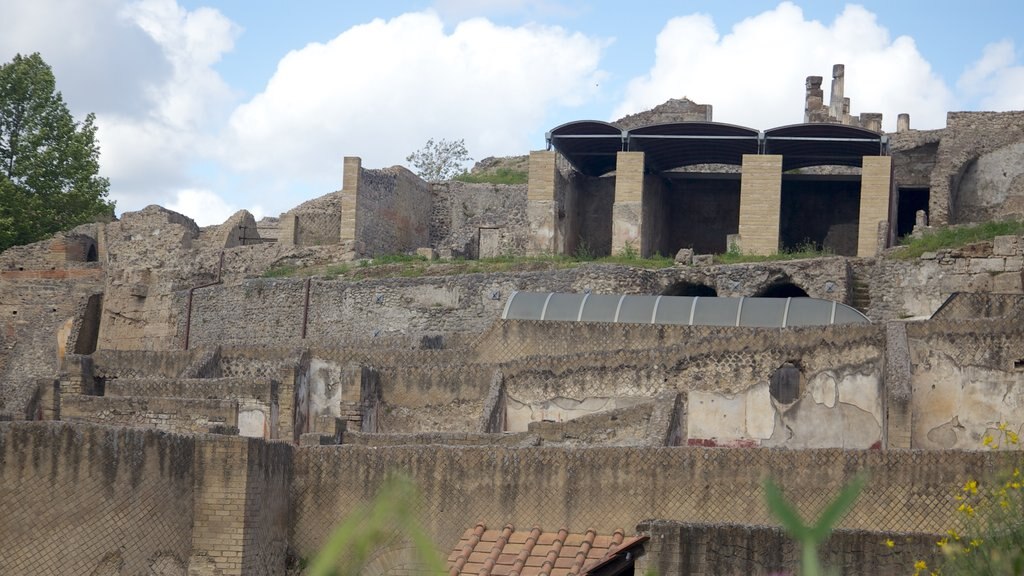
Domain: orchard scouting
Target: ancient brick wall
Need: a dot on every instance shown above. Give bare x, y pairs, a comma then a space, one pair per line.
177, 415
609, 488
393, 211
460, 210
731, 550
92, 500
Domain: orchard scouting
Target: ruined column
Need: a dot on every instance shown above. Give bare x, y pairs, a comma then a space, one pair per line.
760, 203
875, 184
541, 204
871, 121
903, 122
351, 178
835, 104
627, 211
814, 99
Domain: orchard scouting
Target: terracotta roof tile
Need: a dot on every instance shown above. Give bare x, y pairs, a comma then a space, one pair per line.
510, 552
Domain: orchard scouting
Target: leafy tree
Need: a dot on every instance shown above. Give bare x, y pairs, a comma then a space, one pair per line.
49, 163
440, 160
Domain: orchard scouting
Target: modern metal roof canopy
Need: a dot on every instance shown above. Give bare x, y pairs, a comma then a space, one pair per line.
816, 144
591, 146
668, 146
685, 310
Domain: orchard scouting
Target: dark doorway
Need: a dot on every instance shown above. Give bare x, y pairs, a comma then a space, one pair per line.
699, 212
90, 255
820, 213
910, 201
782, 290
690, 289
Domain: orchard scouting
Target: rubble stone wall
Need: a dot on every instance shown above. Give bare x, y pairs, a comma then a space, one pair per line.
393, 212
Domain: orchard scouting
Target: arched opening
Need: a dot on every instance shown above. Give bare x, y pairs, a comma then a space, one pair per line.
782, 289
689, 289
784, 384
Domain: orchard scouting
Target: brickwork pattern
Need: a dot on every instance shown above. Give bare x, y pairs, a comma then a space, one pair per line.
875, 185
760, 203
78, 499
605, 488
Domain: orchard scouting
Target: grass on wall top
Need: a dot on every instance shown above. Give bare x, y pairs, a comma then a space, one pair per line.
955, 237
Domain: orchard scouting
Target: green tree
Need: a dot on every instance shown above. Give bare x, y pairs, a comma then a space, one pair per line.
440, 160
49, 163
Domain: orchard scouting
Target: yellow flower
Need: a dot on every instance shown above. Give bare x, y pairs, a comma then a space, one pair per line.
971, 487
987, 440
1002, 426
920, 565
942, 542
1013, 437
889, 543
966, 509
953, 534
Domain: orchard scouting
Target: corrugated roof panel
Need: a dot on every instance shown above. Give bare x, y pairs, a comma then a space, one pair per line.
716, 311
685, 310
675, 309
600, 307
763, 312
637, 309
564, 307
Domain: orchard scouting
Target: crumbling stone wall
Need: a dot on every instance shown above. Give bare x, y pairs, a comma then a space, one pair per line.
393, 212
987, 139
460, 210
313, 223
917, 288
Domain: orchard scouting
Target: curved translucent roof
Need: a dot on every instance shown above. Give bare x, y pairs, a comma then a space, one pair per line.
686, 310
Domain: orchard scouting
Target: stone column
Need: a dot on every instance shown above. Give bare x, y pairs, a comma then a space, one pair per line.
760, 203
540, 203
351, 178
814, 100
875, 184
627, 211
903, 122
835, 102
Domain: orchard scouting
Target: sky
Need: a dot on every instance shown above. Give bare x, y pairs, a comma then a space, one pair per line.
211, 106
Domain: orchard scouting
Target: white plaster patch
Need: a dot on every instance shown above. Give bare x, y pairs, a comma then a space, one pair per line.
518, 415
862, 391
252, 424
711, 415
437, 297
823, 389
760, 412
324, 388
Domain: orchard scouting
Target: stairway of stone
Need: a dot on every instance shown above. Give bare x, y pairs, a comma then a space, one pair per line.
860, 287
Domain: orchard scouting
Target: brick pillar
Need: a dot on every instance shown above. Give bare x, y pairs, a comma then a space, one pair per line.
898, 411
875, 183
627, 212
218, 525
287, 233
540, 203
349, 190
760, 202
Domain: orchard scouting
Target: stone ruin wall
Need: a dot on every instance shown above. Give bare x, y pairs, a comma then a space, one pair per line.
978, 175
392, 212
461, 210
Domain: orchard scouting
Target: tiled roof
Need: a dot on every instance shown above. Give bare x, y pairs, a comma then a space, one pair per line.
508, 552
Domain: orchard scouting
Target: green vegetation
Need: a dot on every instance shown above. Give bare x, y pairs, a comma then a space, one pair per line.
955, 237
49, 163
282, 271
373, 525
811, 536
499, 176
440, 160
735, 256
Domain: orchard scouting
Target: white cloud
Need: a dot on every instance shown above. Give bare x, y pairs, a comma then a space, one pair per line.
381, 89
995, 79
755, 74
206, 207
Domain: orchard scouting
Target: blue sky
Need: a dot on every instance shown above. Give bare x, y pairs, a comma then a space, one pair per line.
212, 106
